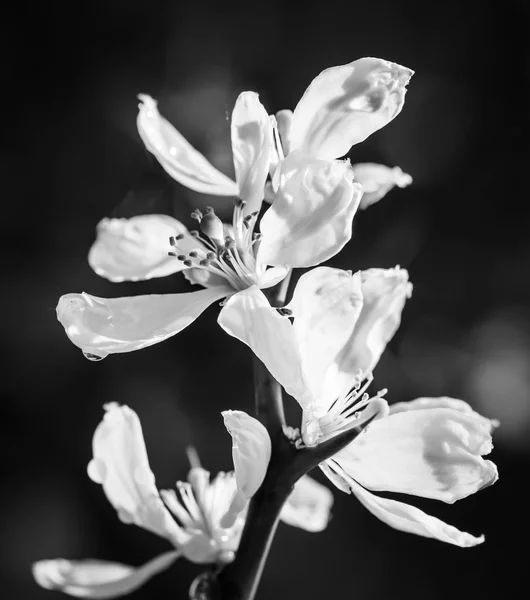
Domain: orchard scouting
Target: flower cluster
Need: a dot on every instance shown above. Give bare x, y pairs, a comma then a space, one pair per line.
295, 200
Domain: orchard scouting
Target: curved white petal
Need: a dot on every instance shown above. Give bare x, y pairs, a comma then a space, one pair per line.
272, 276
412, 520
137, 248
434, 453
252, 145
177, 156
251, 453
97, 578
378, 180
249, 317
121, 466
326, 304
344, 105
308, 506
443, 402
311, 217
384, 294
101, 326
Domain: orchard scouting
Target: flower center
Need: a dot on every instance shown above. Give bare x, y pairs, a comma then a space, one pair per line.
345, 413
227, 251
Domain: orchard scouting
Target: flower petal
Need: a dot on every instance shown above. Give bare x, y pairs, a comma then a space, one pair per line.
249, 317
344, 105
101, 326
326, 304
177, 156
311, 217
378, 180
412, 520
308, 506
252, 145
121, 466
384, 294
97, 578
434, 453
137, 248
251, 453
442, 402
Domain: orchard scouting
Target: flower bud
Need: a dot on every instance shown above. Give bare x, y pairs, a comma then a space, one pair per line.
378, 180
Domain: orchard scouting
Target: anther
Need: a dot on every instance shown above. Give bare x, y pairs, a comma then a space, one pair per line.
238, 203
194, 233
172, 241
204, 262
181, 257
180, 236
197, 214
285, 312
188, 263
172, 254
210, 210
211, 255
193, 254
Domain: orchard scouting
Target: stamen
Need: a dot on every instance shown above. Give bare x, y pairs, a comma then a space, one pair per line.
193, 254
193, 457
181, 257
188, 263
172, 254
197, 215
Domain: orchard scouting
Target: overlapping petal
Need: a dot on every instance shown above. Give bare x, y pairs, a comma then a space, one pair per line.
433, 453
384, 294
101, 326
308, 506
343, 105
137, 248
326, 304
378, 180
311, 217
177, 156
97, 578
252, 145
249, 317
121, 466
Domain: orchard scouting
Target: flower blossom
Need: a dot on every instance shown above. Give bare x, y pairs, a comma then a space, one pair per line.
341, 107
322, 348
191, 520
314, 209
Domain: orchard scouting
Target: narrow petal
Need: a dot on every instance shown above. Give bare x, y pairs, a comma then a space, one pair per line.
137, 248
177, 156
308, 506
344, 105
311, 217
412, 520
121, 466
252, 145
249, 317
97, 578
251, 453
101, 326
378, 180
326, 304
434, 453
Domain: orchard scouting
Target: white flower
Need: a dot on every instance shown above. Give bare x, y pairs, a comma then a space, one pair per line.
342, 323
197, 531
322, 351
220, 258
378, 180
341, 107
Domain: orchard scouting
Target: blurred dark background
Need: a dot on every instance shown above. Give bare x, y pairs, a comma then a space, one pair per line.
71, 156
